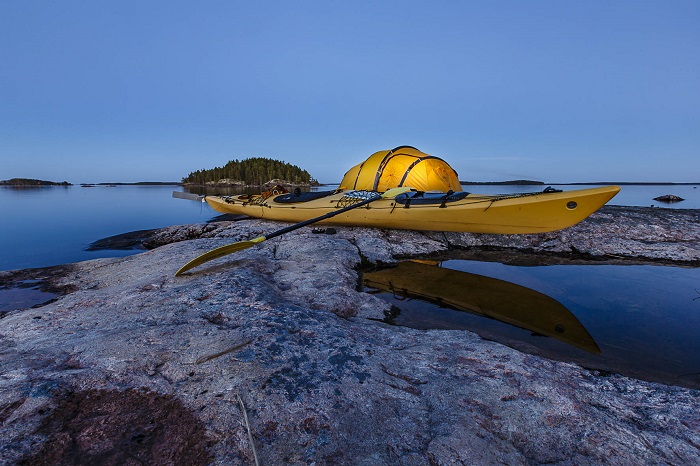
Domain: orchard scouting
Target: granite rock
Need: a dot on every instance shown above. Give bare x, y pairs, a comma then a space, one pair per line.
131, 365
636, 233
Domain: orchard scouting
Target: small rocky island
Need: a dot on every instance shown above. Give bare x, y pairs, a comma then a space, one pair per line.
669, 198
29, 182
274, 354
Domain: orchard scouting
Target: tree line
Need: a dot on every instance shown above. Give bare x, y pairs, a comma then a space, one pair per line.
252, 171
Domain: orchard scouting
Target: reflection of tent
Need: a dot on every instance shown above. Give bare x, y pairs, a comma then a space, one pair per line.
403, 166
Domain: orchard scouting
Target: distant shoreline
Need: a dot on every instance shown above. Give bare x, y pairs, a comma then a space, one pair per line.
13, 183
510, 182
138, 183
475, 183
630, 183
603, 183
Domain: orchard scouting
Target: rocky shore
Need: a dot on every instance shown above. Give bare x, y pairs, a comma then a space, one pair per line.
274, 354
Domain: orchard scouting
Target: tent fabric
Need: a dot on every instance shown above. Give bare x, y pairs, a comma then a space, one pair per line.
402, 166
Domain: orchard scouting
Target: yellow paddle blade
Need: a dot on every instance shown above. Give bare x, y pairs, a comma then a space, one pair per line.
231, 248
219, 252
393, 192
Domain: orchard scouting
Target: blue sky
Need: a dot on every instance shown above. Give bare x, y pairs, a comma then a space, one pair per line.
558, 91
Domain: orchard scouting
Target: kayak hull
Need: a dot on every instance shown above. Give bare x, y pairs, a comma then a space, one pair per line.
496, 214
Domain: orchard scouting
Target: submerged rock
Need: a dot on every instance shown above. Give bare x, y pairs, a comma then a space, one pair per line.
279, 335
131, 240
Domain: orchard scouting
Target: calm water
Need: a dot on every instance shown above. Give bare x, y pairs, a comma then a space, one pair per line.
632, 195
53, 225
644, 319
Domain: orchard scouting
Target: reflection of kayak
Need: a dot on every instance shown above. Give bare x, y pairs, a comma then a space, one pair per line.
498, 299
460, 211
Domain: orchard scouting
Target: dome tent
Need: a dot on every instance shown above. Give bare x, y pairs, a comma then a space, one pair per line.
402, 166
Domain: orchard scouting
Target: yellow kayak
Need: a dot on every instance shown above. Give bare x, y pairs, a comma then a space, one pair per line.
538, 212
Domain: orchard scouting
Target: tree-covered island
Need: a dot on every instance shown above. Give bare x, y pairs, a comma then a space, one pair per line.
256, 171
20, 182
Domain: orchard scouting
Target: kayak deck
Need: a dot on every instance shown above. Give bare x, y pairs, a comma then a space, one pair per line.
518, 213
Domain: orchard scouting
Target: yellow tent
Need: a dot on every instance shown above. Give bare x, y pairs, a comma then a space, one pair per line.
403, 166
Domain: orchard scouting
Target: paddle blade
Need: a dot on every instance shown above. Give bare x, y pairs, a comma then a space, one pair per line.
231, 248
188, 196
393, 192
219, 252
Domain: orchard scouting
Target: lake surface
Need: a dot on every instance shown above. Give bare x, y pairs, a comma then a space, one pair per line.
630, 195
645, 320
53, 225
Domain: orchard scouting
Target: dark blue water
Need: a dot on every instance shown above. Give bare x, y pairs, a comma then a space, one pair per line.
629, 195
645, 319
53, 225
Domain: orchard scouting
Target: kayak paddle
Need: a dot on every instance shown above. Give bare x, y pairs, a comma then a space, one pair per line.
239, 246
188, 196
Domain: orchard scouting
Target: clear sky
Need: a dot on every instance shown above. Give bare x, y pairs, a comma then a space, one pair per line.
557, 91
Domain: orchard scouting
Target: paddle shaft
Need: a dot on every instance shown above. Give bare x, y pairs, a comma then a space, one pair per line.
322, 217
231, 248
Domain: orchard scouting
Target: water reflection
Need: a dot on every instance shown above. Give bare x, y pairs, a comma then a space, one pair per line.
490, 297
644, 318
22, 295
